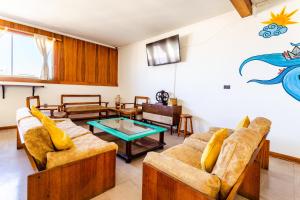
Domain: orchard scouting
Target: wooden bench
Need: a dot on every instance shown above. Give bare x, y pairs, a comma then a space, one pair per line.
83, 107
77, 180
159, 185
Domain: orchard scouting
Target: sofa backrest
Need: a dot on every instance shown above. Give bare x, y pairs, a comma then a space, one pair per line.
237, 151
36, 137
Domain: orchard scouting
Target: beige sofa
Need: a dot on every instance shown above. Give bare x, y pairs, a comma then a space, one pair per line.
176, 173
82, 172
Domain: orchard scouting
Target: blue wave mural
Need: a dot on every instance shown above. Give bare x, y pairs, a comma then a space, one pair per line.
289, 77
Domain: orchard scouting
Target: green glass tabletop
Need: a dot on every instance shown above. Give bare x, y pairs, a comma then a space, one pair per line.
126, 129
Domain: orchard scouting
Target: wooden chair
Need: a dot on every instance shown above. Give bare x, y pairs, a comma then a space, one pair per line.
136, 109
50, 108
184, 118
93, 107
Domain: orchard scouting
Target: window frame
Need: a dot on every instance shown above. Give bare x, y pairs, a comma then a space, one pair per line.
15, 78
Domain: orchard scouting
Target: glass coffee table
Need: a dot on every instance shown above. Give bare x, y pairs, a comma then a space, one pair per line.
131, 136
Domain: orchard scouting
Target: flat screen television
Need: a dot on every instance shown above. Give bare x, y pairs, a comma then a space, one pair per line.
165, 51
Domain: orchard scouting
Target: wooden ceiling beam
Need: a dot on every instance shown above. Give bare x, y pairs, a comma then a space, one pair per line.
244, 7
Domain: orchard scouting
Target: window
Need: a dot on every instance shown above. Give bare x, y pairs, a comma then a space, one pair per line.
20, 56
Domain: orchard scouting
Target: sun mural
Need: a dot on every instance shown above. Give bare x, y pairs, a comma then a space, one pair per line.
278, 23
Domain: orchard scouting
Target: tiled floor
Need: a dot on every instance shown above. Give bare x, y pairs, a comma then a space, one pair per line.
281, 182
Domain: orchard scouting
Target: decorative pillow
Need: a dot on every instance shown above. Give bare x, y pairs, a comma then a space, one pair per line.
59, 138
236, 152
46, 119
38, 114
212, 150
244, 123
37, 140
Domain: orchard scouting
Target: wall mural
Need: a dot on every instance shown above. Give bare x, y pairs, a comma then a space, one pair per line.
289, 72
278, 23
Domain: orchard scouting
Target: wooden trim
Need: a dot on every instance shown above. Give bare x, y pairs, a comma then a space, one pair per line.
8, 127
30, 80
28, 29
244, 7
285, 157
28, 33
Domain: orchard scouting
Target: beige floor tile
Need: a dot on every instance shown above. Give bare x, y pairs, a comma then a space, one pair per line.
127, 190
281, 167
277, 185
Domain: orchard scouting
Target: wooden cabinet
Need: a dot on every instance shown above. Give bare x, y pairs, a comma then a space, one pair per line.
166, 115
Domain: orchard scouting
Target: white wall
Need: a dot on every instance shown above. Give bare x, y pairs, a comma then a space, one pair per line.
212, 52
15, 97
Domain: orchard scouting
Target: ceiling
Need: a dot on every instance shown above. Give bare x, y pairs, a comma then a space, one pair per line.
112, 22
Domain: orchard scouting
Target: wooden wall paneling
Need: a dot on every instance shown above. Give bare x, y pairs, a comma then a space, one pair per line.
90, 62
103, 65
58, 66
70, 59
113, 67
80, 71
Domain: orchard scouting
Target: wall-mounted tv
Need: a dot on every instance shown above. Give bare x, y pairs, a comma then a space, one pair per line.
165, 51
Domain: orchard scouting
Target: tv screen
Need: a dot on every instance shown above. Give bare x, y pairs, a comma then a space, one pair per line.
165, 51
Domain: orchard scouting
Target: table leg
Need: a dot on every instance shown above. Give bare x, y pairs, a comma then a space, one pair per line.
91, 128
52, 113
161, 137
128, 152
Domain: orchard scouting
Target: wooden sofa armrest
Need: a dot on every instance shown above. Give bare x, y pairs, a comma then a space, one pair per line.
82, 179
195, 181
159, 185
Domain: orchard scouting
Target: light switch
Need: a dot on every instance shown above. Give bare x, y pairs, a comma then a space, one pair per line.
226, 87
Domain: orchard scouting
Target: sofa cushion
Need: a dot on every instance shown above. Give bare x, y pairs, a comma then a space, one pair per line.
234, 156
244, 123
202, 136
212, 150
22, 113
261, 125
84, 146
206, 136
85, 108
36, 139
195, 143
186, 154
72, 129
60, 139
200, 180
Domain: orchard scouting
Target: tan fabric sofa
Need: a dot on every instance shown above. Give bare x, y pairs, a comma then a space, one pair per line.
84, 171
176, 173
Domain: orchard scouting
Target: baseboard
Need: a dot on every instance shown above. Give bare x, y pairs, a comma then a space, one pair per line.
285, 157
8, 127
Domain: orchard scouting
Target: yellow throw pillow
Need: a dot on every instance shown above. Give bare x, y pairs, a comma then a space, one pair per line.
59, 138
38, 114
46, 119
244, 123
212, 150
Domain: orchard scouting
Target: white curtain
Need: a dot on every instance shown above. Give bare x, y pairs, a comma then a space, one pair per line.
44, 45
3, 31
